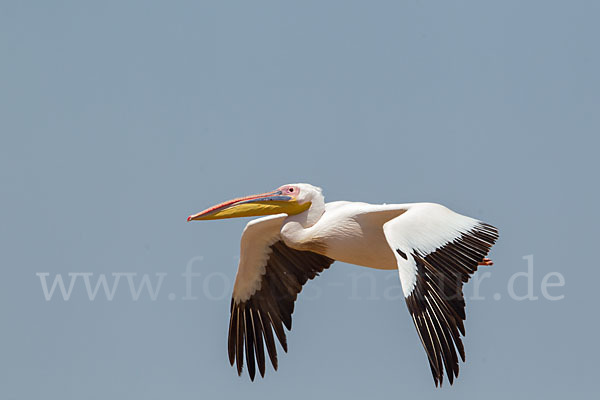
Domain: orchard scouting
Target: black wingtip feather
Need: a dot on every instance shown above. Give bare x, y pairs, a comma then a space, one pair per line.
249, 345
258, 342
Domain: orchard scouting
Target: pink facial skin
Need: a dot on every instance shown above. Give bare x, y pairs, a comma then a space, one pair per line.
290, 190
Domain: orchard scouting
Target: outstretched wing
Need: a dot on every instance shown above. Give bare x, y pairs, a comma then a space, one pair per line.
269, 278
437, 250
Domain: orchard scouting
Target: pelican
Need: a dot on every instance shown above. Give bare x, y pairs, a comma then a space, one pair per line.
434, 249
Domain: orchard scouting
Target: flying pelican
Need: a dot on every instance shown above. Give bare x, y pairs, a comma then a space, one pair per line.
434, 249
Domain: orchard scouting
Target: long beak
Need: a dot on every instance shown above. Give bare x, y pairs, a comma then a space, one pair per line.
251, 206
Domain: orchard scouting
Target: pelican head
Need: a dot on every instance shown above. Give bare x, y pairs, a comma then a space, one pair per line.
287, 199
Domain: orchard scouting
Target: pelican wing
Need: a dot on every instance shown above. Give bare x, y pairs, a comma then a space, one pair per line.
437, 250
269, 278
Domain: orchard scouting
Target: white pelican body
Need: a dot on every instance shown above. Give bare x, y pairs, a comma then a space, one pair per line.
350, 232
434, 249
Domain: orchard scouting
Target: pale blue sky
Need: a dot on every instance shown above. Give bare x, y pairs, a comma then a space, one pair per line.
118, 119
